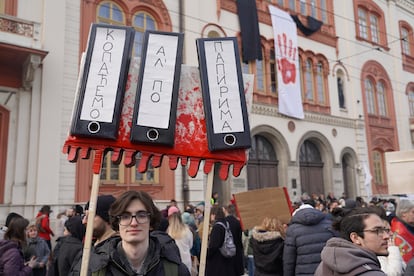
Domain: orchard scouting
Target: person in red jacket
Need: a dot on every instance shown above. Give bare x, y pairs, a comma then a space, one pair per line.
42, 223
403, 227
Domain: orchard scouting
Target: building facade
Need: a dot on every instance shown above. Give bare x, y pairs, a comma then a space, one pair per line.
356, 75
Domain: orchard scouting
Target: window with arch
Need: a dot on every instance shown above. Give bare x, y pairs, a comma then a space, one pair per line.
308, 81
273, 71
314, 74
369, 93
405, 42
340, 83
262, 149
110, 12
376, 98
260, 75
378, 163
407, 46
411, 102
262, 167
257, 68
370, 22
265, 74
309, 153
382, 107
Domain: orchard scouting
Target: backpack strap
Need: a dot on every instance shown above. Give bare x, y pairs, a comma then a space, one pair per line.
226, 226
170, 268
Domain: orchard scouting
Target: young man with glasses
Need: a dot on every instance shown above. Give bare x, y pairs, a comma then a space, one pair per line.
137, 251
363, 237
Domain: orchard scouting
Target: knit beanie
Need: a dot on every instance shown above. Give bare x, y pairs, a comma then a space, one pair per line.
102, 206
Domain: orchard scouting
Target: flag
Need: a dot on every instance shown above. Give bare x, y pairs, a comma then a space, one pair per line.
287, 59
368, 178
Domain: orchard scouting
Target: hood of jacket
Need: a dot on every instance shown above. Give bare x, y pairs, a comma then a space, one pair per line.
308, 216
346, 258
262, 236
267, 243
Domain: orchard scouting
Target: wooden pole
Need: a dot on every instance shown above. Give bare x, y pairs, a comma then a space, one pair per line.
89, 226
206, 222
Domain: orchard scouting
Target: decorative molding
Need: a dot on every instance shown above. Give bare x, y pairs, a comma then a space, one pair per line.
407, 5
29, 67
16, 26
272, 111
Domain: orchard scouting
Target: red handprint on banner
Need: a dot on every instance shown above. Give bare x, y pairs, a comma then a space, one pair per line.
286, 63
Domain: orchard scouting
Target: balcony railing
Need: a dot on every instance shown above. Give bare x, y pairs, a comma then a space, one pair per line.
19, 32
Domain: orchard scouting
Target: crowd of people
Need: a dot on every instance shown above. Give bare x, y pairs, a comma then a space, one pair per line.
131, 236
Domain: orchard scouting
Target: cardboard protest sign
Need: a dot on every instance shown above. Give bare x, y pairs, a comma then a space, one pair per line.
253, 206
190, 141
400, 172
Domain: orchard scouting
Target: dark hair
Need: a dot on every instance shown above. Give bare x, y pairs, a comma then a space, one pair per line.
347, 221
46, 209
75, 227
231, 210
122, 202
10, 217
218, 212
17, 230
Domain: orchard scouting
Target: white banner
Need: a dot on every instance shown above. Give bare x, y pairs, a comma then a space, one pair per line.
103, 77
157, 83
224, 87
287, 58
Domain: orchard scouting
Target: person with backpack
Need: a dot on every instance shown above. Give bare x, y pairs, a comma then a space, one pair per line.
221, 260
43, 225
138, 250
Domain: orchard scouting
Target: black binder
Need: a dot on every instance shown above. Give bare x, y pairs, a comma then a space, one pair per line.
155, 110
223, 94
102, 84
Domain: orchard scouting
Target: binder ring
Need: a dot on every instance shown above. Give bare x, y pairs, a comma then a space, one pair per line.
153, 134
94, 127
229, 139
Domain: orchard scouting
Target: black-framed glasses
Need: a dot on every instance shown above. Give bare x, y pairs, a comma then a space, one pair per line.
126, 219
379, 231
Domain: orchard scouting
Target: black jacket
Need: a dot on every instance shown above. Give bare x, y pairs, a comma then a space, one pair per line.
307, 234
268, 252
64, 255
110, 259
217, 264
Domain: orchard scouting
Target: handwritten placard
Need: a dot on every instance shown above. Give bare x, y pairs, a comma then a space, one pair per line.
155, 109
222, 88
102, 88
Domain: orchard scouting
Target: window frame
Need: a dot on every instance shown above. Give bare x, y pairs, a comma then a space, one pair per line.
411, 102
110, 20
314, 71
378, 167
373, 34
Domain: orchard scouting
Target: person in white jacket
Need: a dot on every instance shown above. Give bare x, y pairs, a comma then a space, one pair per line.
393, 264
